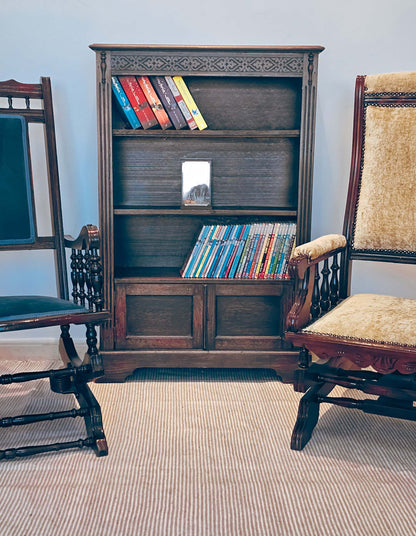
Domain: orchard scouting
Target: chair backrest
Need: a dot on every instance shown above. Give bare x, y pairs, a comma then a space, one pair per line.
380, 217
18, 228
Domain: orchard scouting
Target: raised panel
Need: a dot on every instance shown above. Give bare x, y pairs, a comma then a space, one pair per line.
159, 316
248, 316
151, 316
243, 316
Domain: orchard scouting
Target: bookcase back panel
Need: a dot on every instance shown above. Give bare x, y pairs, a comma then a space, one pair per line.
154, 241
159, 245
248, 103
259, 173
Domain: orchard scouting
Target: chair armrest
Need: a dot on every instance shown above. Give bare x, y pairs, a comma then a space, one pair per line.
86, 268
88, 238
304, 257
310, 253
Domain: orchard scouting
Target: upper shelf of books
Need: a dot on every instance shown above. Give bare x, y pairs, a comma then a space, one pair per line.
207, 106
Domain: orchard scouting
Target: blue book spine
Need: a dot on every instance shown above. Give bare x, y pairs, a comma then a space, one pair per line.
282, 255
240, 249
195, 252
206, 252
214, 252
235, 232
282, 273
221, 251
279, 250
124, 103
194, 271
274, 252
251, 252
234, 257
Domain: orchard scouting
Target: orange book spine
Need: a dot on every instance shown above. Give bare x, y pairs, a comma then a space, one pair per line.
154, 102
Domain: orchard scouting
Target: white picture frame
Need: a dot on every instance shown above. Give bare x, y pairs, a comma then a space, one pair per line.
196, 183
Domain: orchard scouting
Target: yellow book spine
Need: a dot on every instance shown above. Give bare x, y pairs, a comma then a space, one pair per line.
265, 247
271, 249
189, 101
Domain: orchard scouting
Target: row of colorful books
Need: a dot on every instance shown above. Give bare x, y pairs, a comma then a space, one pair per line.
157, 101
242, 251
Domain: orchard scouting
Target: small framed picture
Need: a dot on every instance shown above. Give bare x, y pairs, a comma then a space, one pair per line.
196, 183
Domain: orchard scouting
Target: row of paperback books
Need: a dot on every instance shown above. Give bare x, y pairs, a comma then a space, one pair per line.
243, 251
157, 101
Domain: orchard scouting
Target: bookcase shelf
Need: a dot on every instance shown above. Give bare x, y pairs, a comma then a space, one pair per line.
259, 105
249, 213
244, 134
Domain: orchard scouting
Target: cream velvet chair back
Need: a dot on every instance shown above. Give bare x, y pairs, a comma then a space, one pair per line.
382, 218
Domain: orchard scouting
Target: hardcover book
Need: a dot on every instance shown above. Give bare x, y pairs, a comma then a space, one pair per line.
194, 256
264, 273
124, 104
138, 101
204, 253
230, 273
263, 253
278, 250
154, 101
242, 251
168, 101
181, 103
190, 103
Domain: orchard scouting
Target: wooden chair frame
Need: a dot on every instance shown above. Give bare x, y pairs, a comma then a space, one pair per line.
321, 284
86, 295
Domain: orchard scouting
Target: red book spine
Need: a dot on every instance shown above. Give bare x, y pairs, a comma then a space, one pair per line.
138, 101
154, 102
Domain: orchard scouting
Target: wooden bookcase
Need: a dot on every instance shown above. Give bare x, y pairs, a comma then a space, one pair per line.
259, 104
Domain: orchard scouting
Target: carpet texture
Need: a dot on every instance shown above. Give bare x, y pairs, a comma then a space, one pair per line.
206, 453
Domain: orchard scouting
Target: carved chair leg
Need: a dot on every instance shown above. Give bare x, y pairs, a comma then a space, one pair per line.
308, 414
299, 383
76, 382
67, 348
93, 420
93, 355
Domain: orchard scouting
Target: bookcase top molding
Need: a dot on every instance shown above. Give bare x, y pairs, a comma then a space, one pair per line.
165, 59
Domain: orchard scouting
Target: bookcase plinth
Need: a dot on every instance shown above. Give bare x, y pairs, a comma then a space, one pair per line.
259, 105
120, 364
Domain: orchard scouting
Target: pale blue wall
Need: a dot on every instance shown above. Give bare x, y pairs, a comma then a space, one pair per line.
49, 37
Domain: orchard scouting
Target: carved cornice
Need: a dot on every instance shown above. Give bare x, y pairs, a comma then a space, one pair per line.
199, 63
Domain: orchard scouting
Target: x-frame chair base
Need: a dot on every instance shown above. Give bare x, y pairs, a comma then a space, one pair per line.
395, 396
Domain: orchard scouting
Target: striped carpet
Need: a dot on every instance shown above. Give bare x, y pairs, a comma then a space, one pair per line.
206, 453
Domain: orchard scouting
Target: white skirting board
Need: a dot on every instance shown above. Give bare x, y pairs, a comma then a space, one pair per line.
35, 349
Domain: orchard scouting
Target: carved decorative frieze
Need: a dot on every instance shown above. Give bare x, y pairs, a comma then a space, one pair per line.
207, 63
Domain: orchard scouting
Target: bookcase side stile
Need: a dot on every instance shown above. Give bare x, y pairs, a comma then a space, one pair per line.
105, 189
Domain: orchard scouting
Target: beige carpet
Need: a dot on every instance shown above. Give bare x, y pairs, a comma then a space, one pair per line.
206, 453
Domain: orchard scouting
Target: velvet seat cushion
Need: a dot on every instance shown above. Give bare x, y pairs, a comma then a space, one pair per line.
372, 318
27, 307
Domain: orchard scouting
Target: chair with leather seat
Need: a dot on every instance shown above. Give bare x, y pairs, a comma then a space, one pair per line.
364, 342
19, 231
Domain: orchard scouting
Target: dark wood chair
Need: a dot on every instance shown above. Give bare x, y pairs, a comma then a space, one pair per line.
364, 341
18, 231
